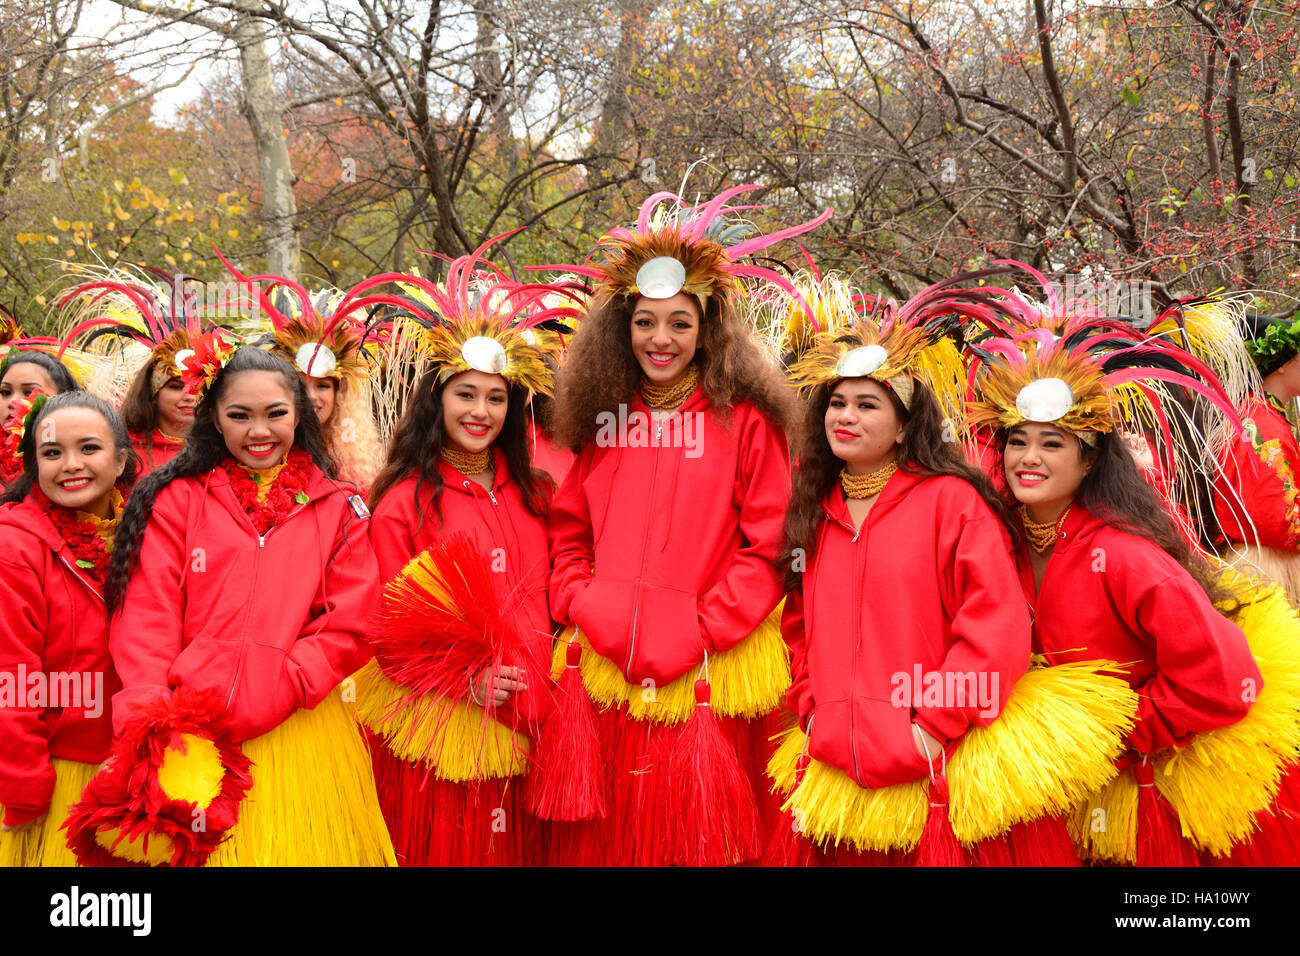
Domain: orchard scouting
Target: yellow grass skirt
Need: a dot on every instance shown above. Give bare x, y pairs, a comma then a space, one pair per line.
44, 843
313, 800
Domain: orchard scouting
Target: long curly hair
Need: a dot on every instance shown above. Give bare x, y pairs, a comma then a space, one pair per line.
203, 451
930, 447
601, 372
76, 398
351, 435
416, 449
1115, 491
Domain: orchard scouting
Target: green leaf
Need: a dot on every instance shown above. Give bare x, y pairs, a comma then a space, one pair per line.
1132, 97
1289, 180
83, 563
301, 498
1268, 174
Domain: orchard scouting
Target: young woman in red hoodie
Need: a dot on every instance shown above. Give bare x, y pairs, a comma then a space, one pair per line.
909, 663
56, 678
663, 539
1210, 763
458, 486
243, 573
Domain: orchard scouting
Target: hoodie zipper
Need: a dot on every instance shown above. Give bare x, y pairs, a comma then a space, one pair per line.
640, 571
859, 569
243, 642
77, 574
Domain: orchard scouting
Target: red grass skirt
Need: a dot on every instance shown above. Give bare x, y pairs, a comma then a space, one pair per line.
438, 823
638, 829
1277, 841
1042, 842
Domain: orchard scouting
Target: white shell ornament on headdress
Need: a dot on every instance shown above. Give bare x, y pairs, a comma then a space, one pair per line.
181, 356
661, 278
484, 354
861, 361
1045, 400
315, 360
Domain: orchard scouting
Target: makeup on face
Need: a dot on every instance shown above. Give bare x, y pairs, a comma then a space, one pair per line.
665, 336
474, 406
256, 418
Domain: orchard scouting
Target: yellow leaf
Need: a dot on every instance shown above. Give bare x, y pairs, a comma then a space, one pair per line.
121, 213
178, 176
40, 300
60, 224
170, 260
213, 224
117, 184
233, 233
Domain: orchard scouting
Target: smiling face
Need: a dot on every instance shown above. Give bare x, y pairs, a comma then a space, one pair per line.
474, 406
20, 380
77, 464
256, 418
1044, 467
321, 393
862, 425
665, 335
175, 408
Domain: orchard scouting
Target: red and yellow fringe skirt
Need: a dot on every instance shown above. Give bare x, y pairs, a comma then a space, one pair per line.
449, 778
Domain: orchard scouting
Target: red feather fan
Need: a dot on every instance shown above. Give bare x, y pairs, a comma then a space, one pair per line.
126, 795
444, 618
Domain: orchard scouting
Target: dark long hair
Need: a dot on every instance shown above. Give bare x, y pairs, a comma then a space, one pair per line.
140, 407
601, 371
203, 451
416, 448
76, 398
56, 370
1115, 491
929, 447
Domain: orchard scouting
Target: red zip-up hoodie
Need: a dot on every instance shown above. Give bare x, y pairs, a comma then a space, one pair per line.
661, 553
1259, 468
1111, 595
163, 451
270, 623
53, 623
928, 583
506, 530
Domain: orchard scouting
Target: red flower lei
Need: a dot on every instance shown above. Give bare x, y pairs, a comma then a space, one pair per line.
288, 490
83, 538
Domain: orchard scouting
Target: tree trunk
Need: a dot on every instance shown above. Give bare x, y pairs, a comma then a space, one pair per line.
261, 109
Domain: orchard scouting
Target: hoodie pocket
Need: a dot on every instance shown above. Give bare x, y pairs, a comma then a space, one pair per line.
603, 612
870, 740
666, 638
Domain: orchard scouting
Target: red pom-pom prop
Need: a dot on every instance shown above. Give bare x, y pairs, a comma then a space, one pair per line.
1160, 839
168, 793
717, 817
567, 779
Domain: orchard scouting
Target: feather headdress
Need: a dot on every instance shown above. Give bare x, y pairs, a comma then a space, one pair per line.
164, 315
318, 332
849, 335
681, 247
478, 319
